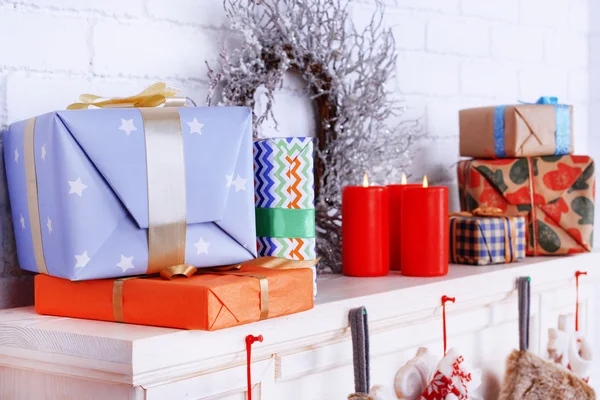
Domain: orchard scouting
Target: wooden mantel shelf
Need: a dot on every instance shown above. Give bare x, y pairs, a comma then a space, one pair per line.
137, 359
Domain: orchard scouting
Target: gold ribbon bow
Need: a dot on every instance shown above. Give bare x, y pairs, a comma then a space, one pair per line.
491, 212
510, 230
154, 96
187, 271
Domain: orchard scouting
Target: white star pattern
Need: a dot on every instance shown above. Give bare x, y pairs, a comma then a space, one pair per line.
44, 152
17, 156
127, 126
229, 180
195, 126
49, 225
125, 263
201, 246
77, 187
22, 220
82, 260
239, 183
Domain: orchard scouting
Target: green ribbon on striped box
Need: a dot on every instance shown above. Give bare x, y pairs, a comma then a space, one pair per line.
285, 222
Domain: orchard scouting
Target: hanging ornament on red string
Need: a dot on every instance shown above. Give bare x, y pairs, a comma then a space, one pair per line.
445, 299
531, 377
570, 348
577, 275
451, 380
579, 349
250, 340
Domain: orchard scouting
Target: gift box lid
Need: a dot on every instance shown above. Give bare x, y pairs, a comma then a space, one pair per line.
120, 155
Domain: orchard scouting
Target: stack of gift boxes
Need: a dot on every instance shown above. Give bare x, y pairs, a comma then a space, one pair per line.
523, 192
148, 215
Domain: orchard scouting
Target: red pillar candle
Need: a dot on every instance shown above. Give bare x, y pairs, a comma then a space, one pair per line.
365, 230
395, 194
424, 231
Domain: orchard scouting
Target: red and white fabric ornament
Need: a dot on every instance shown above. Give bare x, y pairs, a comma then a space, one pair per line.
450, 381
422, 378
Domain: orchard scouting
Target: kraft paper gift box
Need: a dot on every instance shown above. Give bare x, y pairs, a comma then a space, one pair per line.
522, 130
556, 194
483, 240
103, 193
204, 301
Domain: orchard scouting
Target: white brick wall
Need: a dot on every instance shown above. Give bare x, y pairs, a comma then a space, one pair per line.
452, 54
593, 8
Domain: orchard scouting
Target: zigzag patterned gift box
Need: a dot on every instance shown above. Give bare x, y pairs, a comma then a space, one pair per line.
556, 194
284, 198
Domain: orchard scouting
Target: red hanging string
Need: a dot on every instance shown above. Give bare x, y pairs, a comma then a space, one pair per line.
444, 300
577, 274
250, 339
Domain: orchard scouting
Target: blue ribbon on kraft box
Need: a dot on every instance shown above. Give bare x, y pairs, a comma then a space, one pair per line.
563, 126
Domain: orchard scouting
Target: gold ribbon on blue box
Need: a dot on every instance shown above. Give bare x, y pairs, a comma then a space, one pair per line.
165, 171
131, 205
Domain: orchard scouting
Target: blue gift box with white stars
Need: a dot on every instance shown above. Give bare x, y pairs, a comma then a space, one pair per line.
87, 169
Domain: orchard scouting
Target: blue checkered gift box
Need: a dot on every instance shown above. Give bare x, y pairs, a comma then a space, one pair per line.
486, 240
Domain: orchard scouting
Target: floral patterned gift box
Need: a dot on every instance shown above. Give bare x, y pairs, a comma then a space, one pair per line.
556, 193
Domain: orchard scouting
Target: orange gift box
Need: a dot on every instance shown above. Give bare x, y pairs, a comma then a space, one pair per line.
204, 301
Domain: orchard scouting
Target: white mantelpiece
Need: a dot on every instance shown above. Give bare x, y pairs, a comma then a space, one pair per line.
303, 356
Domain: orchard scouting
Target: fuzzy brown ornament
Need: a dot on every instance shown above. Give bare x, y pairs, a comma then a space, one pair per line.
359, 396
529, 377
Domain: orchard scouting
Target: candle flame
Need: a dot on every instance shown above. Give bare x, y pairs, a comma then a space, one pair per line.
404, 179
425, 183
366, 180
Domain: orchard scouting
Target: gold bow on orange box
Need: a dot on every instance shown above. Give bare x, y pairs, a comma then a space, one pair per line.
187, 271
158, 94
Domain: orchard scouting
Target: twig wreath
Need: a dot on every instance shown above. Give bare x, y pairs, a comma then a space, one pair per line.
347, 74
